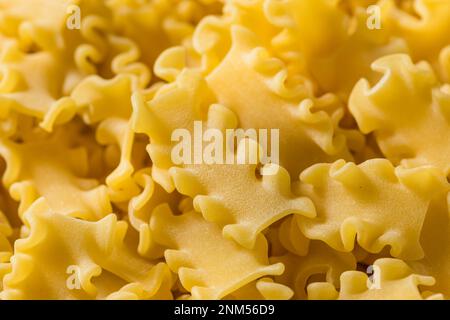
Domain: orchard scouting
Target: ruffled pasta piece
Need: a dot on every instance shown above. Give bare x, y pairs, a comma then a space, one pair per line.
32, 84
435, 239
405, 89
338, 48
272, 235
392, 280
107, 102
219, 199
301, 25
174, 106
212, 37
444, 64
5, 232
165, 22
291, 238
373, 203
354, 5
118, 132
39, 83
424, 27
244, 206
29, 19
152, 195
252, 84
320, 260
196, 253
141, 206
57, 173
5, 247
262, 289
100, 99
339, 70
60, 248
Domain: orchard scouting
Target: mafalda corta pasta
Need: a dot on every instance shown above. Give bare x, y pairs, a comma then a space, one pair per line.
350, 97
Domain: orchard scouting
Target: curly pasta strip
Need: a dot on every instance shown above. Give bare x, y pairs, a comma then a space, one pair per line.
57, 174
392, 280
269, 198
424, 27
5, 247
305, 126
320, 260
205, 181
436, 231
165, 22
291, 238
107, 102
262, 289
107, 266
373, 203
405, 88
27, 88
141, 206
196, 247
338, 48
444, 63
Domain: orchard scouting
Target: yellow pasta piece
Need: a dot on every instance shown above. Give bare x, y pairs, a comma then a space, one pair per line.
206, 182
353, 94
31, 82
392, 280
269, 199
373, 203
5, 247
174, 106
141, 206
305, 126
424, 27
273, 102
118, 132
94, 97
100, 99
57, 173
30, 18
292, 238
300, 18
338, 49
444, 62
198, 263
38, 84
212, 37
166, 22
151, 196
320, 260
405, 88
435, 237
262, 289
272, 234
92, 259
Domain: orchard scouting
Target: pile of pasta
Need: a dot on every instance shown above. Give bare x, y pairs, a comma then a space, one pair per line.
93, 207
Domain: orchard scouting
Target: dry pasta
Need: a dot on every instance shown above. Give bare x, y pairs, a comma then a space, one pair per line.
225, 149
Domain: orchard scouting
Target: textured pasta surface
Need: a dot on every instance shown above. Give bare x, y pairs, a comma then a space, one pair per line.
225, 149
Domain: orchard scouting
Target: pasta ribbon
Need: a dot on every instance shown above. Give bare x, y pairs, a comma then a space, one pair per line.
373, 203
198, 262
93, 252
412, 88
395, 281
